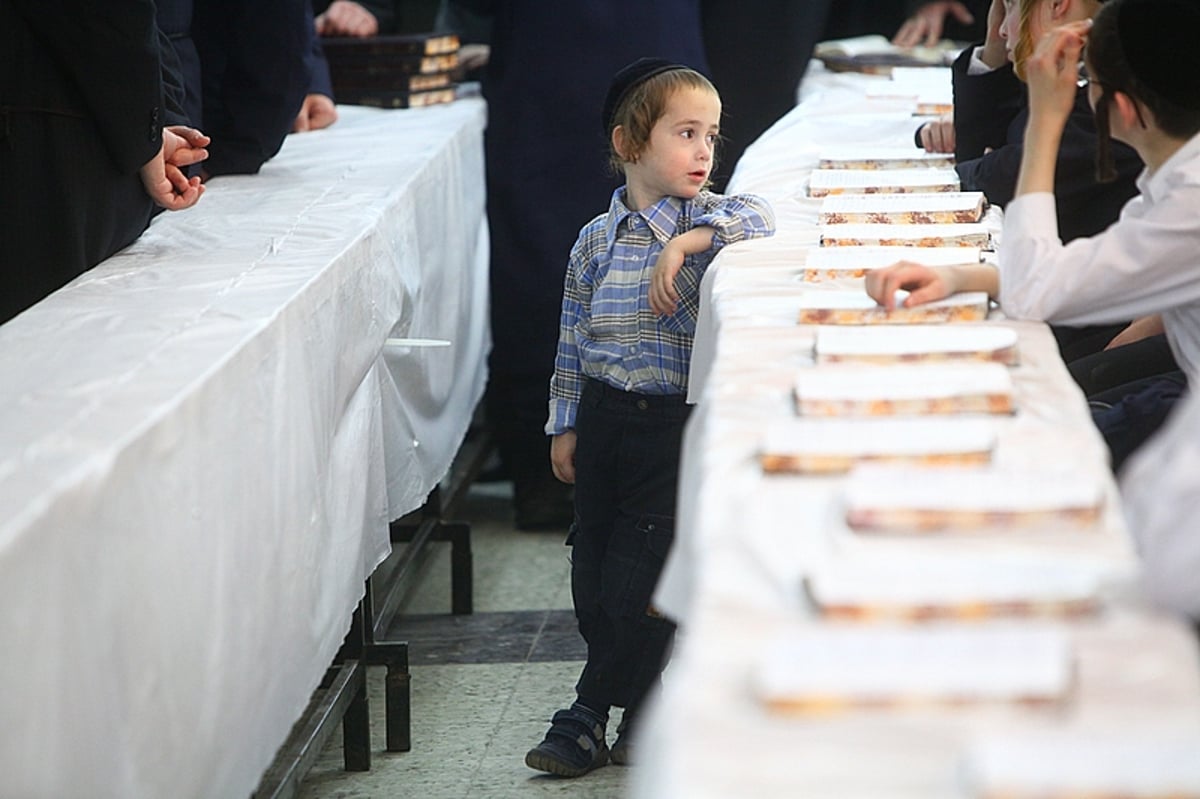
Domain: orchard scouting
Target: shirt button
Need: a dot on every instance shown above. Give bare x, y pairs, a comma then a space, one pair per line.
643, 405
633, 350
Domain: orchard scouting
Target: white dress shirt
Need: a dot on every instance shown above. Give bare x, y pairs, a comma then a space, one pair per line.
1160, 488
1147, 262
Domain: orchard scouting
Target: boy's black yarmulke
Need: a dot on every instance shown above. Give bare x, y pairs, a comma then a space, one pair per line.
1159, 40
626, 79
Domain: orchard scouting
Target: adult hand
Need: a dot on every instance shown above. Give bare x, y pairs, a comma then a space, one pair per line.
318, 111
926, 25
346, 18
184, 146
165, 182
1052, 73
664, 297
938, 136
562, 456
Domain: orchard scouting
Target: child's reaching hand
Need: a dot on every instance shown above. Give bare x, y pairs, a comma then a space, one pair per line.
929, 283
926, 284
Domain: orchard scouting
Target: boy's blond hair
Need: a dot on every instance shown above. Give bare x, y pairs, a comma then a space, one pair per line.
1023, 47
643, 106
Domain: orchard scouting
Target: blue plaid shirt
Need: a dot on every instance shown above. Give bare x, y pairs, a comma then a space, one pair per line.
608, 331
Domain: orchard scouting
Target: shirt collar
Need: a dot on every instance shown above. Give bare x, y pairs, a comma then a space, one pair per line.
662, 218
1185, 161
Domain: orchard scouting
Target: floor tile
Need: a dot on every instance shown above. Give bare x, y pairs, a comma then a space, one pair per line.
484, 686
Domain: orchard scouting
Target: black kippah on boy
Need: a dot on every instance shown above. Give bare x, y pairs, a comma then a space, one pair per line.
626, 79
1158, 39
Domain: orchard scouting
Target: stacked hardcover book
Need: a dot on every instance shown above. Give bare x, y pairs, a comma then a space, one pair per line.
406, 71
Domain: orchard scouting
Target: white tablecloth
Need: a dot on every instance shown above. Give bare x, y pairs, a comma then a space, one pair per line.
745, 541
203, 440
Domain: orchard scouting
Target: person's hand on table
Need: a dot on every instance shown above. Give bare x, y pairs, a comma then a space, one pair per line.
926, 25
318, 111
562, 456
346, 18
937, 136
924, 284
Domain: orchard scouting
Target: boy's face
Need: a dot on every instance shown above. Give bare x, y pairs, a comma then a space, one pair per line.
678, 158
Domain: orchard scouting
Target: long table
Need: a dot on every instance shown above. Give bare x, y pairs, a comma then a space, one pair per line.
203, 441
746, 541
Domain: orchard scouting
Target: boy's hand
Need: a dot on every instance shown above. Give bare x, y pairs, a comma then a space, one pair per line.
938, 136
1052, 73
165, 182
925, 284
663, 296
562, 456
317, 112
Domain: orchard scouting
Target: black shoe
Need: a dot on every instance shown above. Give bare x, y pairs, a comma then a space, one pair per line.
573, 746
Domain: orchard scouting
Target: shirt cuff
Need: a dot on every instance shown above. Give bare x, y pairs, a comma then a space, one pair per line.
562, 417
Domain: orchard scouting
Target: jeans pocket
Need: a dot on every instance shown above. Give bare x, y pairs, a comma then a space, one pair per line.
658, 532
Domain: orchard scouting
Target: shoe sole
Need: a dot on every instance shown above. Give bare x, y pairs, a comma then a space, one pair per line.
618, 757
540, 761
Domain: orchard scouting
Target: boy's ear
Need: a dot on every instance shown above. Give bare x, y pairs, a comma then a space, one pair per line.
1127, 110
619, 142
1060, 9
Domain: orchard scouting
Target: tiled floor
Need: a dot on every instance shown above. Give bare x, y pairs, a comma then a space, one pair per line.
483, 686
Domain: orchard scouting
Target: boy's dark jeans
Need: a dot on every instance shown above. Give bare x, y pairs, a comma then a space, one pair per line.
626, 474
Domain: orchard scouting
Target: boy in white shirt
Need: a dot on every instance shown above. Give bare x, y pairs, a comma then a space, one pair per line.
1143, 75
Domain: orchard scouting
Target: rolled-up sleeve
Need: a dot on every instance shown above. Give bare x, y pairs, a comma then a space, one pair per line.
737, 217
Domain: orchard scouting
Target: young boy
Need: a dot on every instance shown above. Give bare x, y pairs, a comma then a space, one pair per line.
617, 406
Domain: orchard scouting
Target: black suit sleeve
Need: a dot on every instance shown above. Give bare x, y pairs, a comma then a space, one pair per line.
985, 109
253, 56
110, 51
321, 81
984, 105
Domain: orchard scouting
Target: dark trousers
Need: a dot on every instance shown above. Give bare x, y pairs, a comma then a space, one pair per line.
1079, 342
626, 475
1136, 412
1109, 369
